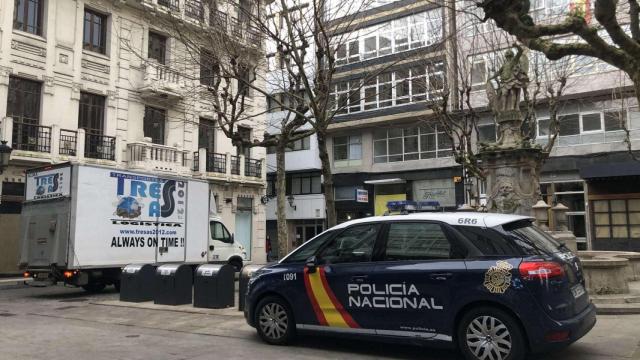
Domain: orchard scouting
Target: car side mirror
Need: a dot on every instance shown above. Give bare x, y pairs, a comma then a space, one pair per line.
311, 264
231, 239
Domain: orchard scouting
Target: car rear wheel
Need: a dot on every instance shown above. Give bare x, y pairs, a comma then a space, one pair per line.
274, 321
487, 333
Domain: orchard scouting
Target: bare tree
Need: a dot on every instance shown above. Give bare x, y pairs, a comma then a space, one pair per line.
220, 54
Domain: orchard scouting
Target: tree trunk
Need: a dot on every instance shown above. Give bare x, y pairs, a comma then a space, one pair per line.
329, 199
281, 213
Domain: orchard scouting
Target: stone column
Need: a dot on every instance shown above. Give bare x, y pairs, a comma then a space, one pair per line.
561, 231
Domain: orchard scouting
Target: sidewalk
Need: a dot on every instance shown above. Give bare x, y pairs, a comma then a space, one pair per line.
12, 282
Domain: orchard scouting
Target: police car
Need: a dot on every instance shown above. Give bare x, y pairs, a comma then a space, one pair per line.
493, 285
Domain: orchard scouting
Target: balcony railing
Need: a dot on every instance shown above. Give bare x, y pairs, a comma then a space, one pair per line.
252, 167
30, 137
98, 146
194, 9
235, 165
162, 81
216, 163
218, 19
68, 142
153, 157
171, 4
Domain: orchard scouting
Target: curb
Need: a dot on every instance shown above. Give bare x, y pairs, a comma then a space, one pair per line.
618, 309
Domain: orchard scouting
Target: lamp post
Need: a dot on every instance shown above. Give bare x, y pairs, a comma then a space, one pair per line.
5, 155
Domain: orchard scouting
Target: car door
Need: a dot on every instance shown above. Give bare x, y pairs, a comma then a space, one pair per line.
416, 280
344, 264
220, 242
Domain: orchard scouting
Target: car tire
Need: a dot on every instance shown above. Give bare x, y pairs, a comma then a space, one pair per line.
94, 287
490, 333
274, 321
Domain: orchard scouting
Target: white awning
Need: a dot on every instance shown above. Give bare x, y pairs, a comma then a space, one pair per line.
385, 181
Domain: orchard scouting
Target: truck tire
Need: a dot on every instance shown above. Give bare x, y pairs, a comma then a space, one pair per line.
94, 287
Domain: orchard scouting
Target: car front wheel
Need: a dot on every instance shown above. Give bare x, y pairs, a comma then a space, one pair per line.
274, 321
487, 333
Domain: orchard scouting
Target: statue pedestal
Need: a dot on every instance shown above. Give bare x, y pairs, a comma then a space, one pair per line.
513, 178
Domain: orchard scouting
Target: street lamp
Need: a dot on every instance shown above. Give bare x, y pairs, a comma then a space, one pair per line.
5, 154
291, 200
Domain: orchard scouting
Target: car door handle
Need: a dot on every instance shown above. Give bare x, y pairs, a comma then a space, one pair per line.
441, 276
359, 278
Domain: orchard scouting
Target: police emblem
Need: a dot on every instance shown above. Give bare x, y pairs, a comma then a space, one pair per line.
498, 277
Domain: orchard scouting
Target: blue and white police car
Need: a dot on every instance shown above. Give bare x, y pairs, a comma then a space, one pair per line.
493, 285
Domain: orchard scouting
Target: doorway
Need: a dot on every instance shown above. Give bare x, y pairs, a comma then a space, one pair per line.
244, 216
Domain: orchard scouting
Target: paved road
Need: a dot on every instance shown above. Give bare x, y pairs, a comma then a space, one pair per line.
66, 323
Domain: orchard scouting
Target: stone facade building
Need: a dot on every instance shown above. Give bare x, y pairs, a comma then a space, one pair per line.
98, 82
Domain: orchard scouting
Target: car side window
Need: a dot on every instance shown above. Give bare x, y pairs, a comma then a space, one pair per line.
309, 248
419, 241
489, 241
219, 232
355, 244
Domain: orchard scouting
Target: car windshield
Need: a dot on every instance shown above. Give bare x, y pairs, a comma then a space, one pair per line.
308, 249
530, 238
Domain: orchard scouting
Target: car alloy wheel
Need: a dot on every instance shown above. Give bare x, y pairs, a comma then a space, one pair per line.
488, 338
273, 321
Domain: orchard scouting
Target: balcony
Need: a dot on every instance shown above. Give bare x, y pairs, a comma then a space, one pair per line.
162, 82
51, 144
227, 167
147, 156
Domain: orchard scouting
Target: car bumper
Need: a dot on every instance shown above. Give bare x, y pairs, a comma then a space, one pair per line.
577, 327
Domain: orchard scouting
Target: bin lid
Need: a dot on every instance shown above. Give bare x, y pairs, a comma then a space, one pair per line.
209, 269
168, 269
132, 268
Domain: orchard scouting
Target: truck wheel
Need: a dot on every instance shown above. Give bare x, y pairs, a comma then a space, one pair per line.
236, 263
490, 333
94, 287
274, 321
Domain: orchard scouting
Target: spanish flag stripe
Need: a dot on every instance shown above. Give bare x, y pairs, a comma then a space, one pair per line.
331, 314
312, 299
345, 315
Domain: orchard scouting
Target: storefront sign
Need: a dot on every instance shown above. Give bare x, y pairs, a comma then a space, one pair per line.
441, 190
362, 196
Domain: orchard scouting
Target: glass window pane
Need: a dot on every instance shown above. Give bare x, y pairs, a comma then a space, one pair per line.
380, 148
620, 232
591, 122
619, 218
355, 244
635, 232
614, 120
295, 185
416, 241
543, 127
603, 232
355, 152
634, 218
340, 152
411, 144
601, 206
601, 219
634, 204
618, 205
395, 146
428, 142
316, 185
569, 125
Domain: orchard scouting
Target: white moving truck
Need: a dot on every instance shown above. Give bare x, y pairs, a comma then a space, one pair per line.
81, 224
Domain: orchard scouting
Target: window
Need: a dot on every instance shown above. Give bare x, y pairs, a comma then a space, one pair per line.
245, 134
418, 83
300, 144
157, 47
385, 90
615, 120
396, 144
478, 71
402, 86
418, 241
354, 244
209, 68
23, 100
91, 114
219, 232
370, 47
95, 32
154, 122
616, 219
569, 124
245, 79
27, 16
206, 134
487, 133
489, 241
543, 127
347, 148
591, 122
307, 183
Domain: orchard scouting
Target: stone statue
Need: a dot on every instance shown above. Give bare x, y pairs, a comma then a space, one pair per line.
503, 91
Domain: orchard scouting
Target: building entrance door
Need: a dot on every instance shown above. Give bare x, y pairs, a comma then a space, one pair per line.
244, 230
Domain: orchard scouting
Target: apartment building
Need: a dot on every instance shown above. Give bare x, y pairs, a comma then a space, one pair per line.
98, 82
305, 209
590, 169
386, 145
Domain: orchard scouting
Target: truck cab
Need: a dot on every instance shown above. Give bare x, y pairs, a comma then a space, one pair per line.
222, 246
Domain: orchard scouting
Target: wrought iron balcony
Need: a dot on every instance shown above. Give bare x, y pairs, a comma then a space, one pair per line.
252, 167
98, 146
31, 137
68, 142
